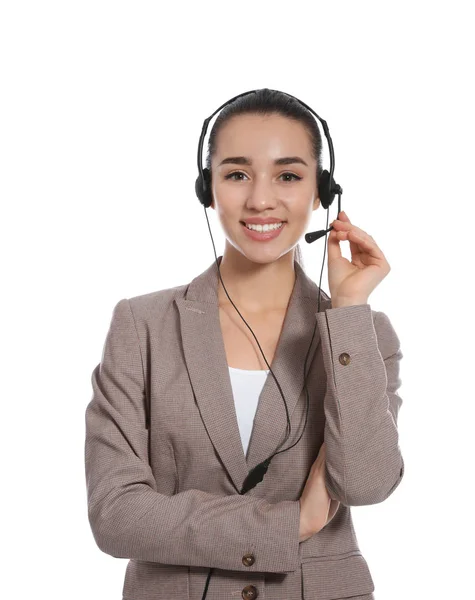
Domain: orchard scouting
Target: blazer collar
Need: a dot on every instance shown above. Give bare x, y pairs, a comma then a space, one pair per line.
206, 362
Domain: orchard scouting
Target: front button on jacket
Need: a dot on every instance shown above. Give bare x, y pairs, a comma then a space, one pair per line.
344, 358
249, 592
248, 560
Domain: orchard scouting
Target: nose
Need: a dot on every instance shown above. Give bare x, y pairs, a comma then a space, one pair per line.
261, 195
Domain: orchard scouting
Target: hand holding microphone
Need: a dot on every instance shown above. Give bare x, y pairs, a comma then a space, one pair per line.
352, 282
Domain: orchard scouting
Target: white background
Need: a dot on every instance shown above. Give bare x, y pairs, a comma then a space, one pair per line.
102, 105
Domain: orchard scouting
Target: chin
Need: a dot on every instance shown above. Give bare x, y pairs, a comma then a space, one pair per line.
265, 257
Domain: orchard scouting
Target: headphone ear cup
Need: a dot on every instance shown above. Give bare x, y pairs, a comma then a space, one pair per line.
199, 188
203, 188
326, 189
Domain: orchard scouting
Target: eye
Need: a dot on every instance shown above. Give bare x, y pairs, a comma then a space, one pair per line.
297, 178
230, 176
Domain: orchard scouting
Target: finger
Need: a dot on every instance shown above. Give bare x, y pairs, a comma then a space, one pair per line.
340, 225
362, 244
354, 248
360, 234
333, 246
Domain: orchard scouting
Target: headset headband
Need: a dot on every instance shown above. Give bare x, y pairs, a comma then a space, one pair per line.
328, 187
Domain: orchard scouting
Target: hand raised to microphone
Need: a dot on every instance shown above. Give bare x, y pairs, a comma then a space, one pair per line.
352, 282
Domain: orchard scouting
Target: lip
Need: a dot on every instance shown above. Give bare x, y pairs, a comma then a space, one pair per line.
265, 235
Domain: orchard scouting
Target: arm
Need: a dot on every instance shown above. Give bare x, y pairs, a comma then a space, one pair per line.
129, 518
364, 464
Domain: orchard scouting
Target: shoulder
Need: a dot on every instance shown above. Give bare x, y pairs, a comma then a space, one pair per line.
158, 297
151, 305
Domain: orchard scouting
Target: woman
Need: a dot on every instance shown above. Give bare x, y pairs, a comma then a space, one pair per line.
183, 384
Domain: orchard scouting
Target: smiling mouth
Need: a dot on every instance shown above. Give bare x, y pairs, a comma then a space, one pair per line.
245, 225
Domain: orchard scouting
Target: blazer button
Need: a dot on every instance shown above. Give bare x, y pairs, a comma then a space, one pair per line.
344, 358
248, 559
249, 592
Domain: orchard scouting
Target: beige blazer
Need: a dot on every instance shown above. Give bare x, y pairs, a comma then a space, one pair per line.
165, 463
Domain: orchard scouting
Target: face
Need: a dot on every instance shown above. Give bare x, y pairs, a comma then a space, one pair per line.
252, 185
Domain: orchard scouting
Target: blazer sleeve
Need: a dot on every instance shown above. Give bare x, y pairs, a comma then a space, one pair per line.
129, 518
364, 464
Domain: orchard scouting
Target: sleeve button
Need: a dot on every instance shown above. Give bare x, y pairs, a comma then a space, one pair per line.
248, 559
249, 592
344, 358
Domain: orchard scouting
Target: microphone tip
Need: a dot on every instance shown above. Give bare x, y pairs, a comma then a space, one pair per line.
315, 235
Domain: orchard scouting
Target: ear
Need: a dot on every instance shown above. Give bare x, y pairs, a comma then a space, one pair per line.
316, 203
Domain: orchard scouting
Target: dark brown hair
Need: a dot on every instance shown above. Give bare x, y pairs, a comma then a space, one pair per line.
266, 102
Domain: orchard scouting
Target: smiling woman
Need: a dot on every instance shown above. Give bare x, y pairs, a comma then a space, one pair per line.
195, 464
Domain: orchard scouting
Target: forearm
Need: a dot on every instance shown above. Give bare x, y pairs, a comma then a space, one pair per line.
199, 529
364, 463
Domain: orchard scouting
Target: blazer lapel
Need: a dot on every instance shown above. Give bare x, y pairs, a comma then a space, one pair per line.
205, 357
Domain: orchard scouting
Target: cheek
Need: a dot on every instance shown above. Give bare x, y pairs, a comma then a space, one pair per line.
228, 219
226, 201
227, 211
300, 208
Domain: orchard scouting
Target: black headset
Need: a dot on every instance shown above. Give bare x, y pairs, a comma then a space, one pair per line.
327, 189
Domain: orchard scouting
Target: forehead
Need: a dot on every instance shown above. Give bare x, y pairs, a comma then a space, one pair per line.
266, 135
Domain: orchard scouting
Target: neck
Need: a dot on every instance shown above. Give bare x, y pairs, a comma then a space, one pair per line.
256, 287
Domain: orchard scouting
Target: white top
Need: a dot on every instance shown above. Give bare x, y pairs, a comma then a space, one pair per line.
247, 386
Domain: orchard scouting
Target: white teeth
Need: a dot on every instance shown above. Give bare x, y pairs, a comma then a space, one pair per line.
266, 227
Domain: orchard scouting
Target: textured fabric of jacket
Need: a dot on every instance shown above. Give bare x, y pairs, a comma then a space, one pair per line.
164, 460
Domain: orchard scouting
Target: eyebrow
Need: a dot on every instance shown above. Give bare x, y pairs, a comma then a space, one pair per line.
244, 160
